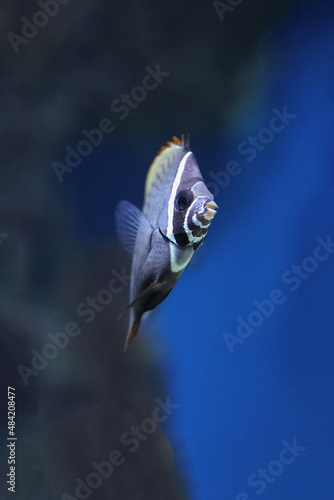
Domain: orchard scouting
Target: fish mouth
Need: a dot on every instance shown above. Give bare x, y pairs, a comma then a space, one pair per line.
210, 210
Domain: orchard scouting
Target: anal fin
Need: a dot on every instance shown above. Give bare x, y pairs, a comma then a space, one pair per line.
141, 295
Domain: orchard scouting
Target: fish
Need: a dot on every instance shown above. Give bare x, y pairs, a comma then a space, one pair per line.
162, 237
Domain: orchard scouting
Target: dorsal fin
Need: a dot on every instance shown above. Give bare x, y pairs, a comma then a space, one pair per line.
175, 142
157, 170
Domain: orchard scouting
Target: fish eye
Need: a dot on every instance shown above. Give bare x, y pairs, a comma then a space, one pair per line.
183, 200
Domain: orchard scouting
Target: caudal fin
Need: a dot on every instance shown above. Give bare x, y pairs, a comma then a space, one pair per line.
132, 333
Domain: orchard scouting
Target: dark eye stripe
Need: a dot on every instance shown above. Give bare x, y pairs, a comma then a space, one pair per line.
181, 239
183, 200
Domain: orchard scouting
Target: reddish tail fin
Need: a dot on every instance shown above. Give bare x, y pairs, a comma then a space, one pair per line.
132, 333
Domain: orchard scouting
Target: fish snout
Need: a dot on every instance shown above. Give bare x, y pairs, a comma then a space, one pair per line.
210, 210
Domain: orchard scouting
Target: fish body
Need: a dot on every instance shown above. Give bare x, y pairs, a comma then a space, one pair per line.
177, 212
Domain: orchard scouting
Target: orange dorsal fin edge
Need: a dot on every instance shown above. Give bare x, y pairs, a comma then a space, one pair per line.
175, 142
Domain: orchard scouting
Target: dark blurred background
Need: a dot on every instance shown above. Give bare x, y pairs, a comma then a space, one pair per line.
226, 70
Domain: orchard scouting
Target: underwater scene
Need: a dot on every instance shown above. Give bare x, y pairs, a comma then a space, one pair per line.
167, 250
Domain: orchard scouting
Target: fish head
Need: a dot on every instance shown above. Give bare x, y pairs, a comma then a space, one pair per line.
183, 206
194, 212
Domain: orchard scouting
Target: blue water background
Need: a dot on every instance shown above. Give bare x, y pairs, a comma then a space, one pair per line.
237, 408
